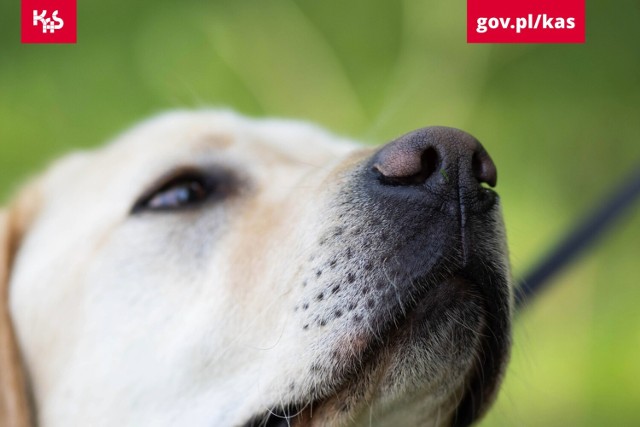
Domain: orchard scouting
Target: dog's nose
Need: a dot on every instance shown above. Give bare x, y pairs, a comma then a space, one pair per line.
436, 156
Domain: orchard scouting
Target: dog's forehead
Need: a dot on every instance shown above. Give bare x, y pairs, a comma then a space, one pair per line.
185, 133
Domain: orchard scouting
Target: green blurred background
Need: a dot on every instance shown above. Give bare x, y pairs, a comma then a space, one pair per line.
561, 121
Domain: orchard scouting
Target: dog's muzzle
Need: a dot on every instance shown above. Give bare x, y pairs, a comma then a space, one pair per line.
420, 237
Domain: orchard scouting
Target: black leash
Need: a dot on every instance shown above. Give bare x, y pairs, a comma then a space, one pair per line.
581, 238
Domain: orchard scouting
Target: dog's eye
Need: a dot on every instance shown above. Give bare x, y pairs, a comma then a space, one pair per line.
183, 191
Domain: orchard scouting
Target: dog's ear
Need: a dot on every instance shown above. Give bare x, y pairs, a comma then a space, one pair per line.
14, 397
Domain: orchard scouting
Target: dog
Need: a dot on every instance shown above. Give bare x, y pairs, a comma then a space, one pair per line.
208, 269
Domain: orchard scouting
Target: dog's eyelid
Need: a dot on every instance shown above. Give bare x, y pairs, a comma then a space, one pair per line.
185, 187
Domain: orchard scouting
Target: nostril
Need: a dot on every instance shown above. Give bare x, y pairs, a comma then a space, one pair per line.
416, 175
430, 162
484, 170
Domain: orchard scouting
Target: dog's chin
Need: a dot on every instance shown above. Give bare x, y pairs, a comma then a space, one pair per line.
422, 361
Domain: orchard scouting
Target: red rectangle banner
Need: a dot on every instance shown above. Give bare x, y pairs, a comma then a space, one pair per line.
48, 21
526, 21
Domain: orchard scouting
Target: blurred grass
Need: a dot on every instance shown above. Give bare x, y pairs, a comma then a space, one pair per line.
561, 121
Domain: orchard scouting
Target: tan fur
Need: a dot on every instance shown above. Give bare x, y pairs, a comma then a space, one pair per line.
14, 401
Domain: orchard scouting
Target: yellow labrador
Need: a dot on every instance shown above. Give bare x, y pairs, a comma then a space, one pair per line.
208, 269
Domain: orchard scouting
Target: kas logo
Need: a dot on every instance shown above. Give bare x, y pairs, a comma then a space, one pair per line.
49, 21
46, 25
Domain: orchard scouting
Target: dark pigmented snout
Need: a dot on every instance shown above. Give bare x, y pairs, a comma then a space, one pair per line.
436, 154
428, 186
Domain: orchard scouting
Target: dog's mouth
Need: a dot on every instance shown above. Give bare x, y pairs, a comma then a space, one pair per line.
481, 379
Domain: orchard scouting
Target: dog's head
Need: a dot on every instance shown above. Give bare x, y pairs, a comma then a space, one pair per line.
208, 269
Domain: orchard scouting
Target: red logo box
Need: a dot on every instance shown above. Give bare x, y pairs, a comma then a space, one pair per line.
49, 21
525, 21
